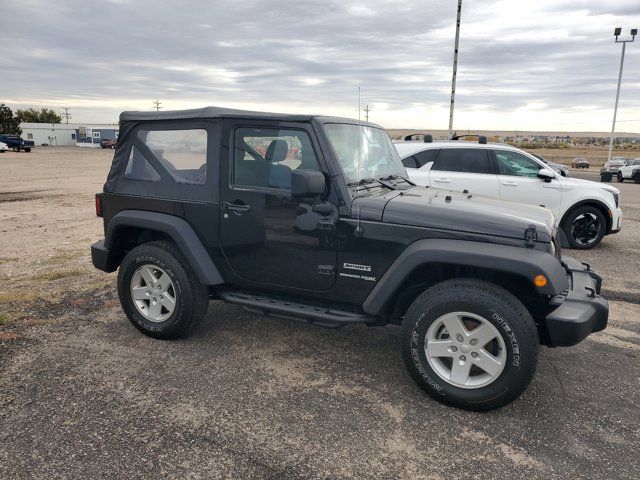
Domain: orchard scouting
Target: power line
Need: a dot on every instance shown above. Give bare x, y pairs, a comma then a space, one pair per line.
66, 115
157, 104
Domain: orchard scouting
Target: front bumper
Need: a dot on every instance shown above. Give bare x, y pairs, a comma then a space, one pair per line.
580, 309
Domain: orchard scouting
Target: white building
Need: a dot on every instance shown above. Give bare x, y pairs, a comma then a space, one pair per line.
67, 134
49, 133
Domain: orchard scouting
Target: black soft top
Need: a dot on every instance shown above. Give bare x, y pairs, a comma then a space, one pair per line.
221, 112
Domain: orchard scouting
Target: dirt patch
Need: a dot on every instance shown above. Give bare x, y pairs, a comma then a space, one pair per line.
25, 195
75, 304
8, 336
58, 274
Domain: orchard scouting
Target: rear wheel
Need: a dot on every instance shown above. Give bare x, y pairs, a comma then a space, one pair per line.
584, 227
470, 343
28, 149
158, 291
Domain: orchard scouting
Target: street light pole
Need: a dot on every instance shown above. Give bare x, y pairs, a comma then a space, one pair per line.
617, 32
455, 70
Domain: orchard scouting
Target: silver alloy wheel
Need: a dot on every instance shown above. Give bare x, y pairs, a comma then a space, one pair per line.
465, 350
153, 293
585, 228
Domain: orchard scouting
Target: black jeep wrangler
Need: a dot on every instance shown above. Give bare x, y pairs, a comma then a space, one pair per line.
312, 218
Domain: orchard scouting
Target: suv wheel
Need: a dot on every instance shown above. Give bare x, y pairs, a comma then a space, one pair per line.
620, 179
584, 227
470, 343
636, 177
158, 291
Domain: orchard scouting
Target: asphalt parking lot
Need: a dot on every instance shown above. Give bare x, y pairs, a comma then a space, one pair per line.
85, 395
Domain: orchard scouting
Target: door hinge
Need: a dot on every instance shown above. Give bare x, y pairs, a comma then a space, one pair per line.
530, 236
326, 270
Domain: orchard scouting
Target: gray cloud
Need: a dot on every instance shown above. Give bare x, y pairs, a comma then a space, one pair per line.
310, 56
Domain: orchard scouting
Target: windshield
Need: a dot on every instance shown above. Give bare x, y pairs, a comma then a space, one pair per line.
364, 152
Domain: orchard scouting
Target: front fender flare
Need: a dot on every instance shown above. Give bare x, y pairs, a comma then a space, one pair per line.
524, 262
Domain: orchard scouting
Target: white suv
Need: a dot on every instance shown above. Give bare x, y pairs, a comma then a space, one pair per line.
585, 211
630, 172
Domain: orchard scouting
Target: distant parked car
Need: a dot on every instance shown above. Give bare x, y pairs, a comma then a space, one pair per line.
631, 171
3, 147
558, 167
580, 163
16, 143
613, 165
108, 143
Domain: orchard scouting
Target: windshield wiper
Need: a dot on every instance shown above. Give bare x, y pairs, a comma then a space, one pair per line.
398, 177
365, 181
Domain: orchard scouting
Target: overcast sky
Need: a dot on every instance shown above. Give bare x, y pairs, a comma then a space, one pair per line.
545, 65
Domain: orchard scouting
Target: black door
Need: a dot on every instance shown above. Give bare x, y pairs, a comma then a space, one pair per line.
267, 236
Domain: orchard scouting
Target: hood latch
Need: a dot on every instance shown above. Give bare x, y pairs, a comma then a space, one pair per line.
530, 236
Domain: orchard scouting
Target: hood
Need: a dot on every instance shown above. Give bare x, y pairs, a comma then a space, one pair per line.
443, 210
578, 182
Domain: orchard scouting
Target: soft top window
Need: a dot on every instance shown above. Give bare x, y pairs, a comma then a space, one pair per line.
183, 153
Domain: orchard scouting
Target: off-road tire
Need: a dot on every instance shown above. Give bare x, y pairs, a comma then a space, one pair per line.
568, 222
192, 298
28, 149
497, 306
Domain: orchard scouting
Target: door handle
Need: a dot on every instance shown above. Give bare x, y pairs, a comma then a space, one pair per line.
237, 208
510, 184
442, 180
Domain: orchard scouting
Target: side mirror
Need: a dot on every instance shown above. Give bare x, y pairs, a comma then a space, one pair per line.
546, 174
307, 183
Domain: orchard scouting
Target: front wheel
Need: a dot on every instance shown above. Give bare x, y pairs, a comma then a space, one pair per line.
620, 179
158, 291
16, 149
584, 227
470, 344
636, 178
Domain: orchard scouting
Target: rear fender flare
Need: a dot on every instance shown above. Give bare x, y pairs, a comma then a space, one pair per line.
178, 230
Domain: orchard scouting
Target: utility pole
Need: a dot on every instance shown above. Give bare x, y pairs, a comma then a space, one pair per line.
455, 70
366, 112
157, 104
359, 102
617, 33
66, 115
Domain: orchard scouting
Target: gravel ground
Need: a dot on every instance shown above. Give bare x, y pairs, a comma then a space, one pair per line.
83, 394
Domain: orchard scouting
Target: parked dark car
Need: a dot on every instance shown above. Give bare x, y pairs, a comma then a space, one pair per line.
108, 143
16, 143
580, 163
217, 204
